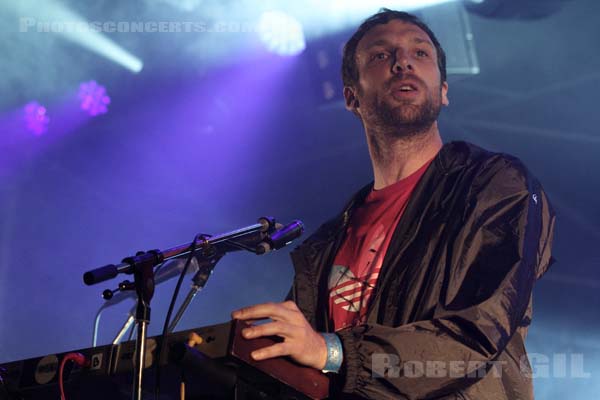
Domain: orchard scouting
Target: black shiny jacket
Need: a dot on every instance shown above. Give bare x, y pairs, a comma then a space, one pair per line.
451, 309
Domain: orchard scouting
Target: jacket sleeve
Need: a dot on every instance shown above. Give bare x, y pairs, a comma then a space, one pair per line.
505, 237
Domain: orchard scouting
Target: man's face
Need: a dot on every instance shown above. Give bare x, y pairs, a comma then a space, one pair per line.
399, 80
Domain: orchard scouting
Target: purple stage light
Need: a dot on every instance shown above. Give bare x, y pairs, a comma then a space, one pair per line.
36, 120
93, 98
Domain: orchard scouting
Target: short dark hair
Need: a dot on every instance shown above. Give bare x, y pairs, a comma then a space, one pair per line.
349, 68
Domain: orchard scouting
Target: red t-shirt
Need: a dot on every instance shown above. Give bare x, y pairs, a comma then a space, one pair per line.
356, 266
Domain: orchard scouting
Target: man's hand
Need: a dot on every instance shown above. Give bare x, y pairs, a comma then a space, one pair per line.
300, 341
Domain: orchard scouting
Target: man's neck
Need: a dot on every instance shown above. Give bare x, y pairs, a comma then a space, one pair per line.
394, 158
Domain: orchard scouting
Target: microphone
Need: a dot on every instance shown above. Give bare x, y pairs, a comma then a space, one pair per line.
247, 242
281, 238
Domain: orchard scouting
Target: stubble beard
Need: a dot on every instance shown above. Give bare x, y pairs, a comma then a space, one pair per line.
402, 120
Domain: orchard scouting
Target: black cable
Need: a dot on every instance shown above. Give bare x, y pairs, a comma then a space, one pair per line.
160, 348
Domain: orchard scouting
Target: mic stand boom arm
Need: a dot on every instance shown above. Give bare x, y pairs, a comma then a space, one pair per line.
154, 257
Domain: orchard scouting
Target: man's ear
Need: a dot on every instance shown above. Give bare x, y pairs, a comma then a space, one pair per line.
445, 99
351, 101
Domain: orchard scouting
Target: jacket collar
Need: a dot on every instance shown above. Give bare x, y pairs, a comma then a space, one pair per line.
451, 156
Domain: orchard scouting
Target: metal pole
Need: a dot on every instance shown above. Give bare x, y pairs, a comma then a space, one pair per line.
190, 296
124, 328
142, 319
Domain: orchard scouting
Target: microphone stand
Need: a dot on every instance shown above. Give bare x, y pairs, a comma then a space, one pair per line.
144, 287
142, 267
162, 273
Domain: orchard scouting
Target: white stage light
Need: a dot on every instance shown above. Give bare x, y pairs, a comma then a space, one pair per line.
281, 33
54, 17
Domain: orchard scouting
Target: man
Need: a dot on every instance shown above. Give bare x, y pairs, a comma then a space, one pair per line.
421, 287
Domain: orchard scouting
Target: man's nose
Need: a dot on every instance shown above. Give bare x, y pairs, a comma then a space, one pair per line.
401, 64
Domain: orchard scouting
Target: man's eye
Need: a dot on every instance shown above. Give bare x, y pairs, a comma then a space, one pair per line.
422, 53
380, 56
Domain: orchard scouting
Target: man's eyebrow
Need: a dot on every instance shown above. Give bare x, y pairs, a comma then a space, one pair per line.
380, 42
383, 42
419, 40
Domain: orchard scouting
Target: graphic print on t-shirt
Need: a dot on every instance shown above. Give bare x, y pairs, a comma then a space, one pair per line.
349, 292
